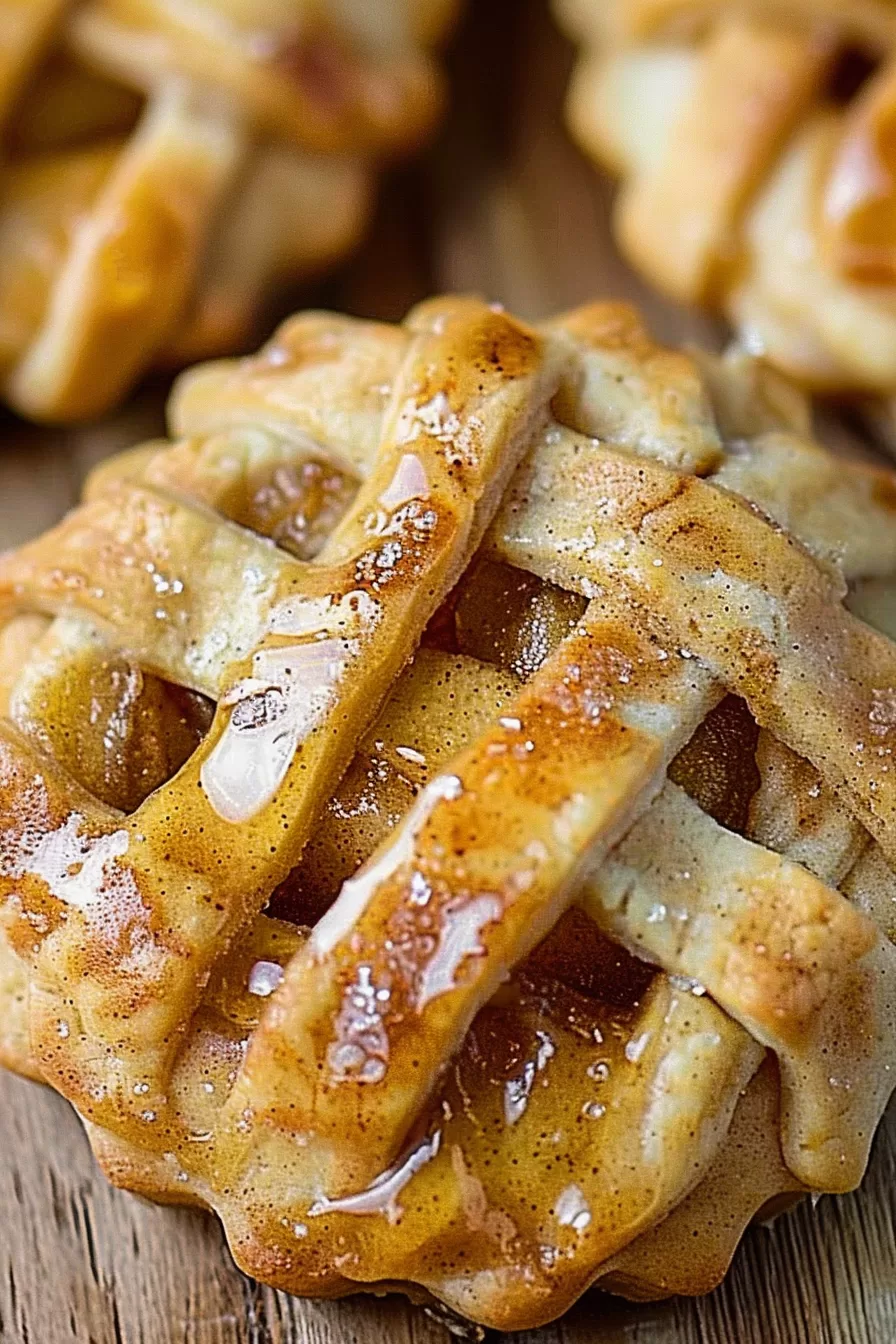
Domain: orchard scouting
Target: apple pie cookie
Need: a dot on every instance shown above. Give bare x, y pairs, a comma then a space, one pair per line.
165, 163
754, 140
447, 811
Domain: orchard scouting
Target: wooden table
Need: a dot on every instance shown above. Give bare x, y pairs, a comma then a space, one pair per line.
506, 206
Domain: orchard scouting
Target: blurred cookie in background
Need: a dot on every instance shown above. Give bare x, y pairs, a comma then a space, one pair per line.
754, 142
165, 165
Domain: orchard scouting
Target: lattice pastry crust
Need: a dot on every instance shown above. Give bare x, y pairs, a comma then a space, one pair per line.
168, 160
520, 916
755, 142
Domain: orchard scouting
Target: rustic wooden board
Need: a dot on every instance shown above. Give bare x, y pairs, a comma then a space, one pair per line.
506, 206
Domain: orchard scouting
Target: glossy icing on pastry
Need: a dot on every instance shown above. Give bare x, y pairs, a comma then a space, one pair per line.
474, 875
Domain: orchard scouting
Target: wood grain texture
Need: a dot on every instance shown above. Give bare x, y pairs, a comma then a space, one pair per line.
506, 206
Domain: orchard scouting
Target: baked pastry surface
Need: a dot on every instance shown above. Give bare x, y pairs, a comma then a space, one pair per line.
755, 146
164, 163
446, 808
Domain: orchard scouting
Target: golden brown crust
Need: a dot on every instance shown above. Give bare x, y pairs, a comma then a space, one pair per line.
415, 892
168, 162
754, 178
